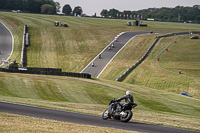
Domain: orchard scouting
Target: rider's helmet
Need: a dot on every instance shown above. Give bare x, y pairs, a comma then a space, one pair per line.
128, 93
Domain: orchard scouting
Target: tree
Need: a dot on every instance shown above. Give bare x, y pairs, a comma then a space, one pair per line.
67, 10
77, 11
198, 19
33, 6
95, 15
104, 13
127, 14
113, 13
165, 18
57, 4
25, 5
47, 9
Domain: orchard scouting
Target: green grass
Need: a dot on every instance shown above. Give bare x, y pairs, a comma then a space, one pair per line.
183, 56
70, 48
73, 48
93, 96
45, 88
65, 48
162, 75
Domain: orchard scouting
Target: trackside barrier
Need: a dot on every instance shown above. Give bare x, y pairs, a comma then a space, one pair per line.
44, 71
125, 74
27, 40
25, 43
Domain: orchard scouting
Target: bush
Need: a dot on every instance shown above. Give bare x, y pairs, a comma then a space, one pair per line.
47, 9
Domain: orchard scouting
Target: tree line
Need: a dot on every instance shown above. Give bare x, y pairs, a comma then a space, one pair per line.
67, 10
39, 6
179, 13
32, 6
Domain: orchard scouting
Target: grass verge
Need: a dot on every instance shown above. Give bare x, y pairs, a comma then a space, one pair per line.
93, 96
10, 123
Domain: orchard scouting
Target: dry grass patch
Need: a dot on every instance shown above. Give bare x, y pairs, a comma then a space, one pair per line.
168, 119
10, 123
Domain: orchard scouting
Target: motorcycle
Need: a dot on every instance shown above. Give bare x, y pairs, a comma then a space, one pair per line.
119, 111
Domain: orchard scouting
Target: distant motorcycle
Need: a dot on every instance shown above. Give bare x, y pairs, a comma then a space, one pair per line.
122, 112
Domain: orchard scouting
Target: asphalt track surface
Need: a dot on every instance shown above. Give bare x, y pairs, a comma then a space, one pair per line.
84, 119
107, 55
6, 43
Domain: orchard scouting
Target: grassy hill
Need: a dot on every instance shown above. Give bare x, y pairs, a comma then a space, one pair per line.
157, 83
162, 75
70, 48
93, 96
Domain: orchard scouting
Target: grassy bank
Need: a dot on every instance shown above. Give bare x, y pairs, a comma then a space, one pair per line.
93, 96
70, 48
162, 75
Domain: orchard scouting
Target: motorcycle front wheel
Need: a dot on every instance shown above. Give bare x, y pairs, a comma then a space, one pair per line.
105, 115
127, 116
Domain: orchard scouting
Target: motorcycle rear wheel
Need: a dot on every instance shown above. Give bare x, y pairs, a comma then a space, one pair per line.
105, 115
128, 115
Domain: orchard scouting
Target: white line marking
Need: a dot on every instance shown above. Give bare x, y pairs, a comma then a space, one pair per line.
100, 53
115, 56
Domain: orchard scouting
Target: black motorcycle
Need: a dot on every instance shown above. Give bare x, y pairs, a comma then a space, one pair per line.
119, 111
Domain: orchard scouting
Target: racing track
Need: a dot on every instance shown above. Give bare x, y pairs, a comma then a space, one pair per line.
6, 43
85, 119
107, 55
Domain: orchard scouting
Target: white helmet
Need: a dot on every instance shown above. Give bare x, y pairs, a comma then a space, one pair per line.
128, 93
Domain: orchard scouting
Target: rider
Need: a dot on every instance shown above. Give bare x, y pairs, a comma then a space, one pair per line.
128, 100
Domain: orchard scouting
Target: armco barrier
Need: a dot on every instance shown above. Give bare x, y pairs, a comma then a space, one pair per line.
25, 43
125, 74
22, 60
27, 40
44, 71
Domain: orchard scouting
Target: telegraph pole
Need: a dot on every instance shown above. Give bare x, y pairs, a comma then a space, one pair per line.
179, 17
